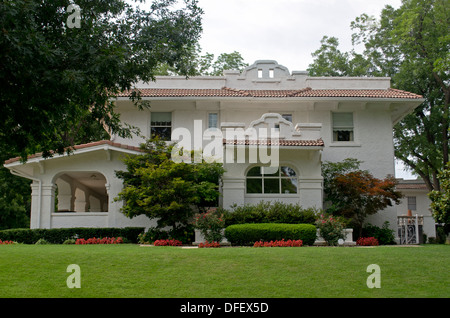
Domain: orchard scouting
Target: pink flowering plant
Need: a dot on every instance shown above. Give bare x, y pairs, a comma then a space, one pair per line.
331, 228
210, 224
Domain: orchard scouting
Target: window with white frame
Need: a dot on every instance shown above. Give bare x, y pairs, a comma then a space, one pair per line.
412, 203
265, 180
161, 125
213, 120
342, 126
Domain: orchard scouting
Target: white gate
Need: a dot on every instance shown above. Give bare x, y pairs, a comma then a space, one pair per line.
410, 229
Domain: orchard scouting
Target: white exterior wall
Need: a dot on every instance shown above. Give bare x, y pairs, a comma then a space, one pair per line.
422, 209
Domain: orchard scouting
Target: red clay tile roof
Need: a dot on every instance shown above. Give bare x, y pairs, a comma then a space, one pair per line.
276, 142
306, 92
82, 146
411, 186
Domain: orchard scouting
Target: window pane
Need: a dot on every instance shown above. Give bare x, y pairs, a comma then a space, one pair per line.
272, 185
412, 203
164, 133
255, 171
254, 185
287, 172
342, 135
288, 185
270, 171
212, 120
288, 117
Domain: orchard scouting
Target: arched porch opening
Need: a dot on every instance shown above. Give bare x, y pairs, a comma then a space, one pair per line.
81, 191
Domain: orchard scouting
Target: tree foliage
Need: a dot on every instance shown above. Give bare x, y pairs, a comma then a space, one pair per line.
411, 45
56, 80
205, 64
355, 194
158, 187
440, 200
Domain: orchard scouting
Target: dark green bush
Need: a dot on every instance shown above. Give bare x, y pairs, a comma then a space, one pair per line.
248, 234
58, 236
185, 234
270, 212
384, 235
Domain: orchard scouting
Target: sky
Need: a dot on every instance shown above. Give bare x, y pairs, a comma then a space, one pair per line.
287, 31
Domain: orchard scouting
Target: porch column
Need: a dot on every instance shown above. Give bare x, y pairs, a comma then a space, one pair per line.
48, 205
35, 205
310, 191
233, 191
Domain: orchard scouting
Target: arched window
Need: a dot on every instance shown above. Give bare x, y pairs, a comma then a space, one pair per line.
271, 180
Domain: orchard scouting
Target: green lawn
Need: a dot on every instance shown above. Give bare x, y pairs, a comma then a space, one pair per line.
171, 272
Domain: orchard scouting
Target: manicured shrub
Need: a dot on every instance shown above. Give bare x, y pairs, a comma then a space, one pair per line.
384, 235
59, 236
282, 243
367, 241
183, 233
248, 234
269, 212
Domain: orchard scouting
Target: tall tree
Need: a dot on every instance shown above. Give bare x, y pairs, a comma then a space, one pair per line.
158, 187
205, 64
411, 45
355, 194
440, 200
61, 65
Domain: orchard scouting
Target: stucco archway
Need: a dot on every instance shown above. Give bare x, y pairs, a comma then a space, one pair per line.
81, 191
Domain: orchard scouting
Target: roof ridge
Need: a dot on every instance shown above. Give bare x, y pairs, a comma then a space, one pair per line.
299, 91
239, 91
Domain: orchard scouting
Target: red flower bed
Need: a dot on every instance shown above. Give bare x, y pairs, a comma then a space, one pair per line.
93, 240
282, 243
367, 241
207, 244
167, 243
6, 242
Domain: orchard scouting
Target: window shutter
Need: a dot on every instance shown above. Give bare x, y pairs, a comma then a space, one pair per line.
343, 121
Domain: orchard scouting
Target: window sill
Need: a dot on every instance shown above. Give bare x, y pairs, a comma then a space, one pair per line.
345, 144
271, 195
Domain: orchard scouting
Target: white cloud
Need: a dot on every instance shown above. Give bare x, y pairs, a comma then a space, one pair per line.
284, 30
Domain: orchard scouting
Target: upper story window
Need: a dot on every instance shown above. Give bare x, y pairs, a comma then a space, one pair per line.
288, 117
342, 126
412, 203
265, 180
213, 120
161, 125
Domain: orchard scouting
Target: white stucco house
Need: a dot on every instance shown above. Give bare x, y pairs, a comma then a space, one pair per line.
266, 116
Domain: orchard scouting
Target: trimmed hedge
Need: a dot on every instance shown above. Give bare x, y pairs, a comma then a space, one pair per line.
58, 236
270, 212
248, 234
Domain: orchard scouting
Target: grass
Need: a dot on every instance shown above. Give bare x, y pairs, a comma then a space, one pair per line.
125, 271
